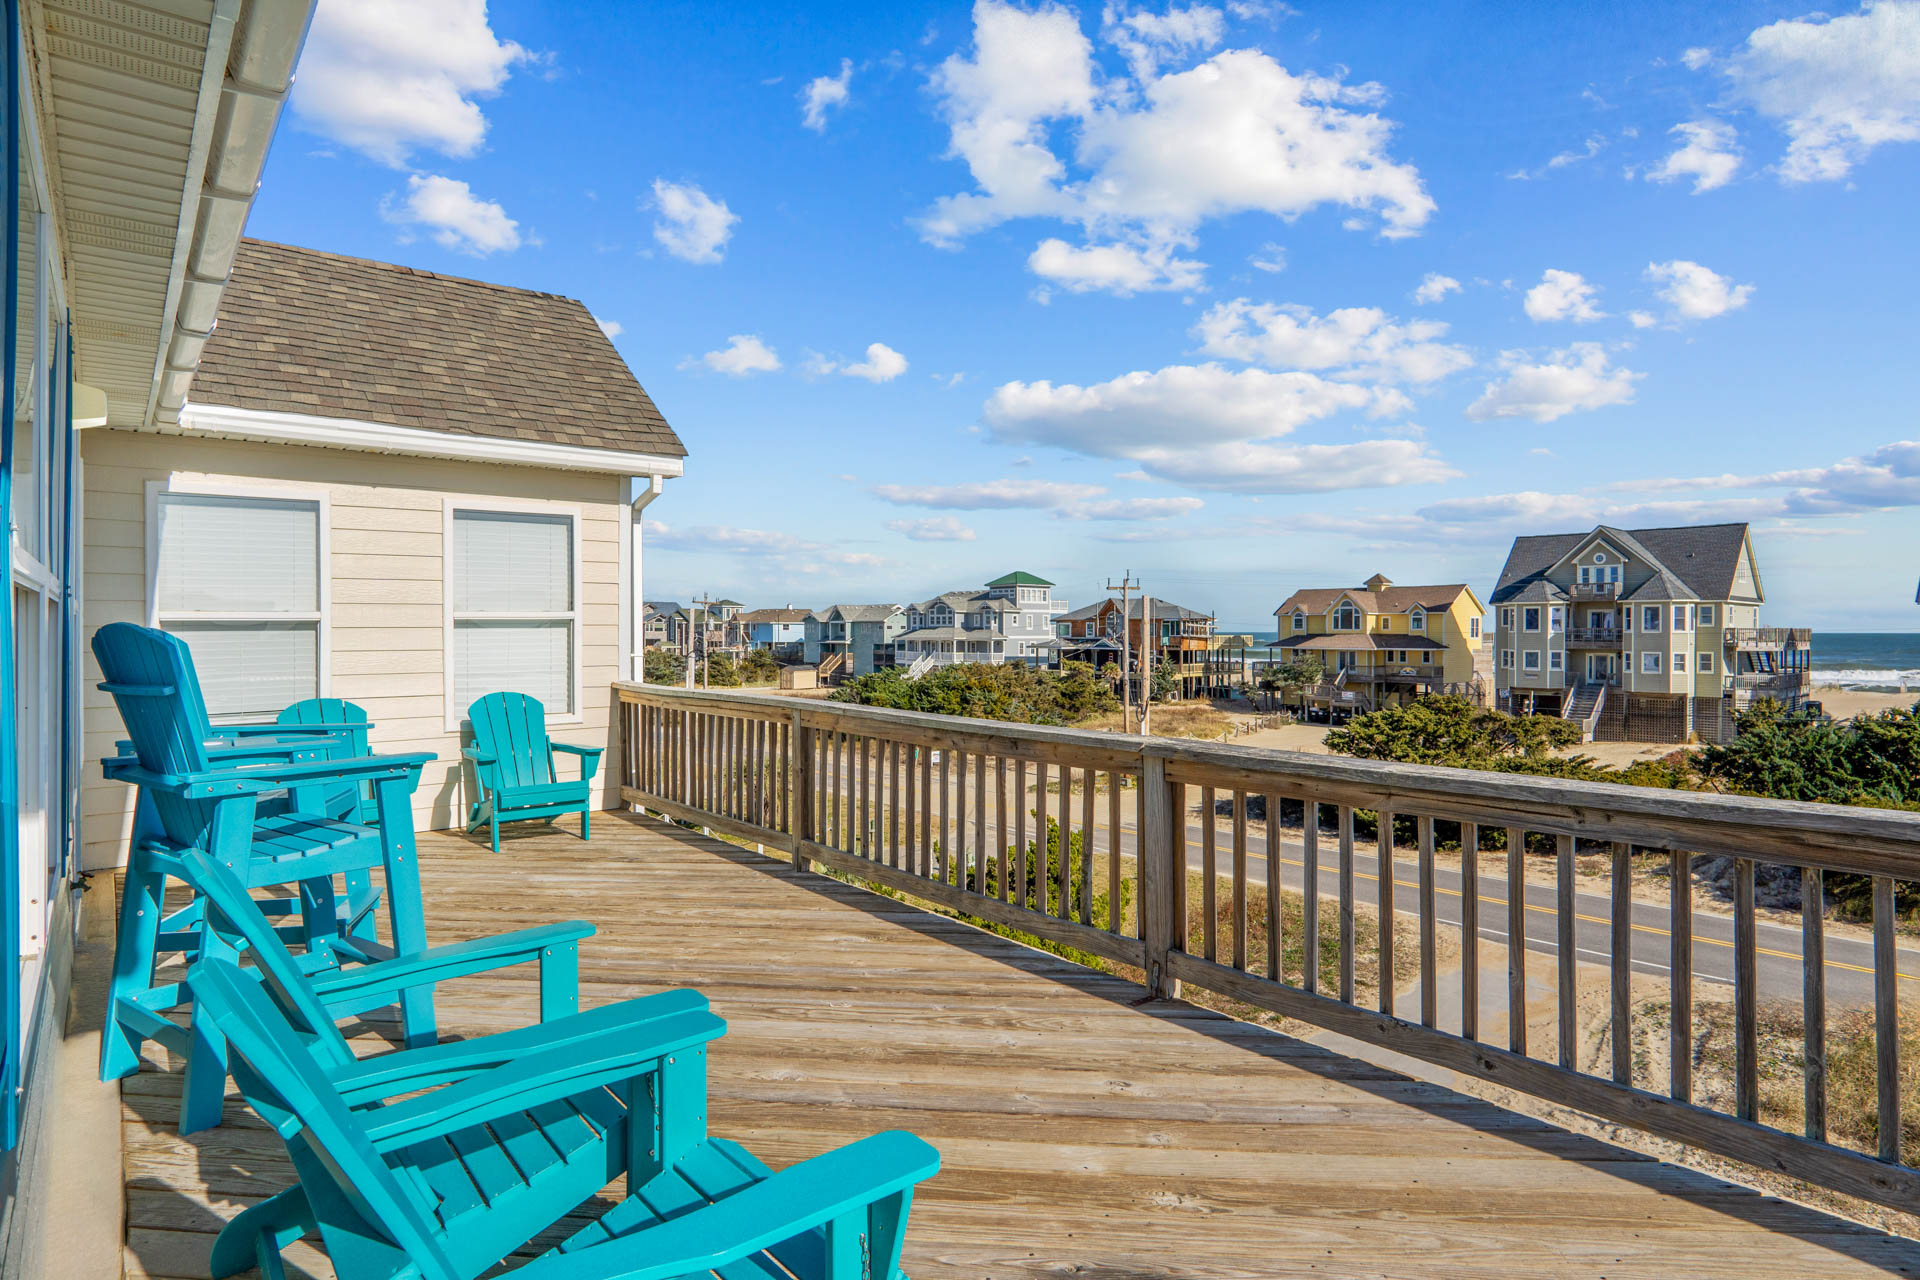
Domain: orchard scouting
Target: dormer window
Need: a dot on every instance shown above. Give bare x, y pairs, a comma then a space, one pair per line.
1346, 618
1417, 621
1299, 620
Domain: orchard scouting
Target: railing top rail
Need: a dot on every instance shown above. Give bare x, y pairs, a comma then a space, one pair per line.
1836, 837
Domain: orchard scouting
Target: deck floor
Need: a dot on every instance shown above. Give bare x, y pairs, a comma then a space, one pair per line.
1082, 1132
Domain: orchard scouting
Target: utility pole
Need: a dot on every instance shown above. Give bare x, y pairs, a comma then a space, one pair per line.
706, 611
1150, 641
1125, 588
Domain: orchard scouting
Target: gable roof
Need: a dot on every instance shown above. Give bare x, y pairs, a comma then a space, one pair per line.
773, 615
321, 334
1161, 609
1697, 561
860, 612
663, 608
1392, 600
1019, 578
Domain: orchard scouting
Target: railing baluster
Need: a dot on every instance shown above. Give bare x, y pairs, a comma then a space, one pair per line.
926, 812
867, 752
1813, 996
1680, 976
944, 853
1516, 940
1209, 868
1239, 879
1063, 884
1141, 852
786, 749
1886, 1017
1177, 808
1347, 922
1470, 930
1569, 1008
1620, 957
1429, 935
1746, 999
1083, 871
1272, 805
980, 823
957, 864
1310, 899
1114, 922
909, 806
999, 826
1383, 862
893, 804
1020, 862
1042, 869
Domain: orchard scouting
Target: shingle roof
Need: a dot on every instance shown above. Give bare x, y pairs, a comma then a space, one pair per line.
1391, 600
301, 331
1019, 578
1348, 640
773, 615
1703, 557
1536, 591
663, 607
1161, 609
860, 612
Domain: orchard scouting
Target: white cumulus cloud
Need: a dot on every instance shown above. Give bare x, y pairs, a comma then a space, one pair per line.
456, 218
1574, 378
1696, 57
1266, 467
990, 495
1121, 269
1358, 342
1563, 295
823, 92
1433, 287
744, 354
1709, 154
612, 328
1838, 87
933, 529
1158, 149
691, 225
388, 79
1695, 292
883, 364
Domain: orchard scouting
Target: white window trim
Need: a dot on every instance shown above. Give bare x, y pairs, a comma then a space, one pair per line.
1556, 660
455, 718
1679, 662
1704, 664
1650, 662
223, 487
1534, 629
1660, 618
1707, 615
1530, 661
1417, 620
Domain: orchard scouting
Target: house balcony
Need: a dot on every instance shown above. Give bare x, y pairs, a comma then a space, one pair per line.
1595, 637
1765, 639
1596, 590
1060, 1095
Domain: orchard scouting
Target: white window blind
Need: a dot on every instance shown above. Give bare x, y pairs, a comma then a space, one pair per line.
239, 581
511, 579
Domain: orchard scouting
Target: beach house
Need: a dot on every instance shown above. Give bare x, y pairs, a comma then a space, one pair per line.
1382, 644
1642, 635
1178, 635
842, 641
1010, 620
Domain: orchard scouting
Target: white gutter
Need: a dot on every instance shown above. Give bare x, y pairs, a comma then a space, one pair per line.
251, 49
271, 426
645, 490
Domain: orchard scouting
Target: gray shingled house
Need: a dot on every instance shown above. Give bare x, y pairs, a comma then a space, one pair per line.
388, 485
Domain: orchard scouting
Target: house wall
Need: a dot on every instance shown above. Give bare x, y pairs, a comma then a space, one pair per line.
387, 634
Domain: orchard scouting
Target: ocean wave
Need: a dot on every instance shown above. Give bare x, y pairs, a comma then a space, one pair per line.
1862, 677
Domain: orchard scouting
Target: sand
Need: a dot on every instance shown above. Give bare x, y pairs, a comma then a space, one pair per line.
1844, 704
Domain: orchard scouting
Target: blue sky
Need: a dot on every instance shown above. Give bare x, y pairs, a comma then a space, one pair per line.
932, 292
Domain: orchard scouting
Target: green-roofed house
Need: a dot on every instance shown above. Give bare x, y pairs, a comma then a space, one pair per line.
1011, 620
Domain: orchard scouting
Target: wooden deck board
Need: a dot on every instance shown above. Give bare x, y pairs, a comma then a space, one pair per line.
1080, 1133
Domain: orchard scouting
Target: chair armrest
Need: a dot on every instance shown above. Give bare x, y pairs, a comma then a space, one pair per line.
787, 1204
538, 1078
570, 749
311, 726
476, 755
457, 959
190, 786
370, 1080
283, 773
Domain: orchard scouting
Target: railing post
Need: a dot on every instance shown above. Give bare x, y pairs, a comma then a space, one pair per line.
1159, 877
802, 738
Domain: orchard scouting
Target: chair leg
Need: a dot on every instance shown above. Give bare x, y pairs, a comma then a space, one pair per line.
494, 822
586, 824
319, 912
203, 1092
405, 915
140, 904
258, 1233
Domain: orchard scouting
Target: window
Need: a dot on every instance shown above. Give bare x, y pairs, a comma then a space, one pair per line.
1299, 620
1586, 574
1346, 618
1416, 621
514, 612
1626, 618
1555, 660
1473, 628
1530, 618
1705, 665
1706, 615
1679, 617
1650, 618
1679, 663
1530, 660
1506, 659
1650, 662
1506, 619
239, 578
1555, 619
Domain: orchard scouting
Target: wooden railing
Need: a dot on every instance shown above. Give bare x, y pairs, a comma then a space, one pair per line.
941, 809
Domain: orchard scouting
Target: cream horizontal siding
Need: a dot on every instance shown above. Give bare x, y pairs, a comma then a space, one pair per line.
386, 576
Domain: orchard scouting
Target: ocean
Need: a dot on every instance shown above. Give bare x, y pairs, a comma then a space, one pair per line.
1873, 660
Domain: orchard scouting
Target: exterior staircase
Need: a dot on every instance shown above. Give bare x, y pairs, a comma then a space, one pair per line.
832, 668
921, 665
1583, 706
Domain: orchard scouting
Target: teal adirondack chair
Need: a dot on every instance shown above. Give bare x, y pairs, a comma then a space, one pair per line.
513, 766
447, 1184
208, 797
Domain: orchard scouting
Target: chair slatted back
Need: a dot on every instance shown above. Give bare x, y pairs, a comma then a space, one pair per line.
351, 800
151, 678
234, 911
281, 1081
512, 727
